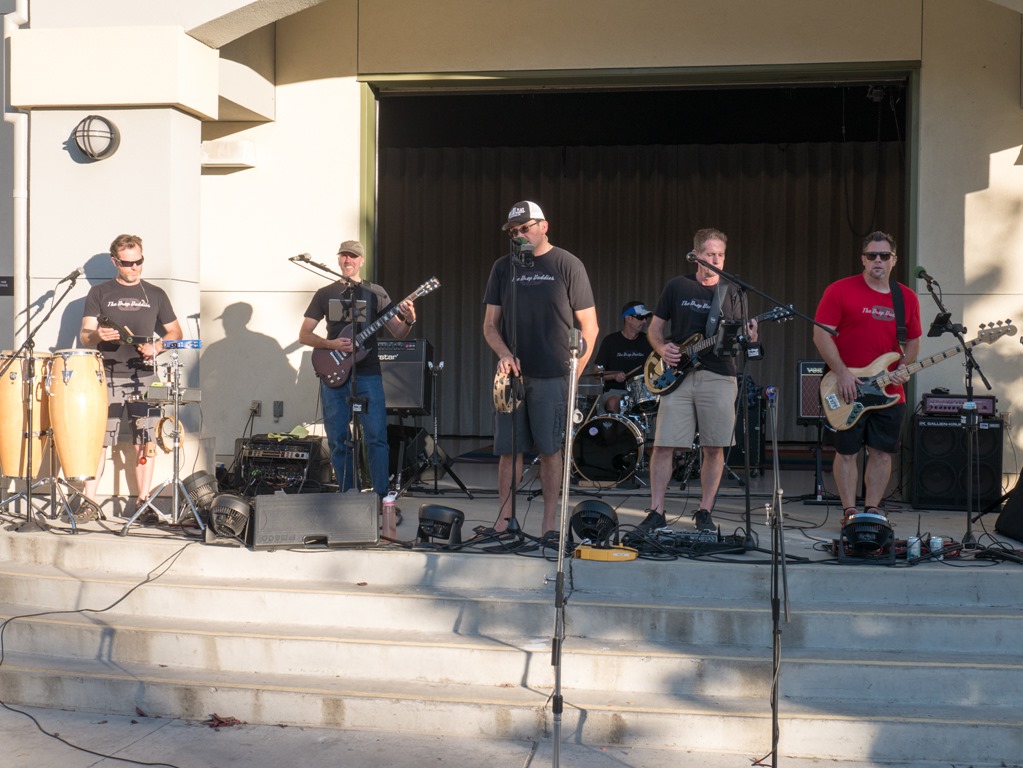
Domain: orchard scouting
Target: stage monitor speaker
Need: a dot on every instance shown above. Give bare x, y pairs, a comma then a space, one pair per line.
939, 462
1010, 519
408, 384
808, 407
283, 521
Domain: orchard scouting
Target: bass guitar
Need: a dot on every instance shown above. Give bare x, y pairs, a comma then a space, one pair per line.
662, 378
872, 379
334, 366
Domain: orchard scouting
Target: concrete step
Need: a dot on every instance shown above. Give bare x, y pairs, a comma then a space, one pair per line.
885, 678
821, 730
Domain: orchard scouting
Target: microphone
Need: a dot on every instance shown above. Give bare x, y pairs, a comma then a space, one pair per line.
691, 256
75, 273
523, 251
921, 274
300, 257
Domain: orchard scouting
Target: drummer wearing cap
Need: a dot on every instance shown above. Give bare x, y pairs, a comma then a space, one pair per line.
337, 409
622, 353
550, 296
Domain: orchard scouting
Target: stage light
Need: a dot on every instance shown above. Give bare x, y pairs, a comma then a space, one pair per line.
867, 534
201, 489
593, 520
229, 515
440, 525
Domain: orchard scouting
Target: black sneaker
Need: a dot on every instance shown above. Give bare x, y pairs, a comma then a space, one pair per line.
703, 520
652, 521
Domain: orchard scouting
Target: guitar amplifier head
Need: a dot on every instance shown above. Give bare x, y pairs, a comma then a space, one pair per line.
808, 407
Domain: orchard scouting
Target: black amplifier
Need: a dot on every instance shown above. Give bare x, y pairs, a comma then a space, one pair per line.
266, 464
949, 405
404, 365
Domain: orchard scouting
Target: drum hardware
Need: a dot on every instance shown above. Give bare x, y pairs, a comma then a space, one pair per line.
178, 490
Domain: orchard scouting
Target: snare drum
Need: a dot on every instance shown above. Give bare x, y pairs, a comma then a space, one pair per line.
15, 393
76, 385
607, 449
642, 399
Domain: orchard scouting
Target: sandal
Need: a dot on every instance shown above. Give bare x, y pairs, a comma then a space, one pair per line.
847, 513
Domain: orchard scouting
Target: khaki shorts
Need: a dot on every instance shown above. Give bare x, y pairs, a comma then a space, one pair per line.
704, 402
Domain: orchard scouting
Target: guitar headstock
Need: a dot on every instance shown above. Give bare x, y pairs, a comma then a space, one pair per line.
430, 285
779, 314
991, 332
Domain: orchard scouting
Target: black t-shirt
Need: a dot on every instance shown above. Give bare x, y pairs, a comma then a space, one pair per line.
684, 304
548, 295
143, 309
617, 353
377, 303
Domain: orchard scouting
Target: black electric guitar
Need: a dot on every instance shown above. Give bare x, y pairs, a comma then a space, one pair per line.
872, 379
333, 366
662, 379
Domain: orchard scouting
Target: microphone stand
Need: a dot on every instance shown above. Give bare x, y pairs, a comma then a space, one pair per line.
28, 346
743, 286
968, 416
576, 348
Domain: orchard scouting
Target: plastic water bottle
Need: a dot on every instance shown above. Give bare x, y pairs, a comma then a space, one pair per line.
390, 504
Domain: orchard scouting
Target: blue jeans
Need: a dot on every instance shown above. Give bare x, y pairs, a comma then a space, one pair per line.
337, 413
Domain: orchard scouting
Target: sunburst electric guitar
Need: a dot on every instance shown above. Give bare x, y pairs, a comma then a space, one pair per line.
874, 378
333, 366
662, 379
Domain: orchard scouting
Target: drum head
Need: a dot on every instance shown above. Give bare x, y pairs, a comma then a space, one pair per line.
607, 449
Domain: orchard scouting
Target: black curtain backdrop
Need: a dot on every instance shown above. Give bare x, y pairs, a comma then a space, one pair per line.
794, 215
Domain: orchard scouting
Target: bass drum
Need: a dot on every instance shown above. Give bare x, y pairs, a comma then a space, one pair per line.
607, 449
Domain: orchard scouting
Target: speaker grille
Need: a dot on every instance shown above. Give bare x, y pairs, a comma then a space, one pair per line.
939, 476
808, 408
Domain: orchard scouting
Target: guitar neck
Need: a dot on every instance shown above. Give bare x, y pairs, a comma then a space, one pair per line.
379, 323
885, 378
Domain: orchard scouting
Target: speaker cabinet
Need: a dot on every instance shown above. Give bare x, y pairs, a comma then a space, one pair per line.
283, 521
408, 384
808, 407
1010, 519
939, 462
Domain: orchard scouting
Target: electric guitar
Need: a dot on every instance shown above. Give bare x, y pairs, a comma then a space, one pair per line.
662, 379
334, 366
872, 379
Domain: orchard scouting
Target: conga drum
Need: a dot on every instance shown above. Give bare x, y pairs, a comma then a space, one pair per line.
16, 391
77, 389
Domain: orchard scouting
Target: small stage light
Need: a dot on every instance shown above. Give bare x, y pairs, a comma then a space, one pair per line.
593, 520
229, 515
867, 535
439, 525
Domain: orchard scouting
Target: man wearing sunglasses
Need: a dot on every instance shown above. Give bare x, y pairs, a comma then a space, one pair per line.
129, 307
860, 308
551, 294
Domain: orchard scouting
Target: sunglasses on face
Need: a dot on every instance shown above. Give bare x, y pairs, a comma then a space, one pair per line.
883, 255
129, 264
521, 230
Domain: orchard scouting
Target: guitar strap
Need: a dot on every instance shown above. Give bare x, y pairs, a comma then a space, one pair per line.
900, 311
714, 316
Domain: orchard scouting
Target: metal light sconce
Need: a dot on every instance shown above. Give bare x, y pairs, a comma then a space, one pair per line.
96, 137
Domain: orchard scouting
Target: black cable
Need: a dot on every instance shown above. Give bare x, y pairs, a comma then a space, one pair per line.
152, 576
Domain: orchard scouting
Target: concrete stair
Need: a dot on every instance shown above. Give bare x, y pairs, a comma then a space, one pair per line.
879, 664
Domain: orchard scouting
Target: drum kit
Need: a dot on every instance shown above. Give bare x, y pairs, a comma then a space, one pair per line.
54, 407
609, 448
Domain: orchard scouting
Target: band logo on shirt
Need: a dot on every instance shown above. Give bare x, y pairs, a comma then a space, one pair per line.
884, 314
128, 305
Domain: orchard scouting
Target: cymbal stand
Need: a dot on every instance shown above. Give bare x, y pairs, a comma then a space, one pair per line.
178, 490
438, 459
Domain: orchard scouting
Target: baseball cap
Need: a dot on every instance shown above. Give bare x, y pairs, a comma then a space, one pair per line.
352, 246
637, 308
522, 212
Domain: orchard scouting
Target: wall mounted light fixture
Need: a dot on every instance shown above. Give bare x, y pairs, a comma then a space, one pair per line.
96, 137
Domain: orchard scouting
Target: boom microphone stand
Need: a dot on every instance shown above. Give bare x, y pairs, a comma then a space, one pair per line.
969, 417
438, 459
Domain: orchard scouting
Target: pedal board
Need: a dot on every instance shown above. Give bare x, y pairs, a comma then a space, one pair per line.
691, 543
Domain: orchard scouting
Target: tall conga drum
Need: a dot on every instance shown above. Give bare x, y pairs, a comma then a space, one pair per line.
77, 389
16, 391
